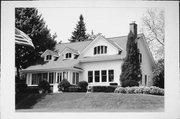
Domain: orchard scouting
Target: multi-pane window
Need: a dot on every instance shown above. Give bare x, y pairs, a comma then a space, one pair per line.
59, 77
51, 78
103, 75
75, 78
145, 80
48, 57
45, 76
68, 55
65, 75
34, 79
111, 75
90, 76
97, 76
100, 50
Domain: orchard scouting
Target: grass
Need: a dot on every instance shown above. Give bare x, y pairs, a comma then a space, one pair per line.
93, 102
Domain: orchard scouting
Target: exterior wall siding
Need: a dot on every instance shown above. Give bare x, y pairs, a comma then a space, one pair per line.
146, 66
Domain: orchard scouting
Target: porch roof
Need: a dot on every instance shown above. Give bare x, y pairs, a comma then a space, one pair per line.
55, 65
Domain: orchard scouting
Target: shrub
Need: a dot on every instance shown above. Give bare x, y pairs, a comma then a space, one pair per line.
140, 90
20, 87
44, 86
156, 90
73, 88
63, 85
32, 89
146, 90
103, 88
120, 90
83, 85
130, 83
131, 90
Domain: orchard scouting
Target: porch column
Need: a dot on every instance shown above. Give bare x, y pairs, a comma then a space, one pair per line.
47, 76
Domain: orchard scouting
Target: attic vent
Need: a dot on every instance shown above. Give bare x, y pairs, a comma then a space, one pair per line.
120, 51
56, 58
76, 56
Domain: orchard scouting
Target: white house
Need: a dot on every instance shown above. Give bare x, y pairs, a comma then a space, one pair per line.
96, 61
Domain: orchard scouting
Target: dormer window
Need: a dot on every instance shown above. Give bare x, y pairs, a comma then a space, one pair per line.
68, 55
48, 57
100, 50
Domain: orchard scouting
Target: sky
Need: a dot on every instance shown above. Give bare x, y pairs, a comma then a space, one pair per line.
111, 22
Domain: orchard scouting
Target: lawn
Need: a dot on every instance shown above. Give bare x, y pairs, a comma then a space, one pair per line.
92, 102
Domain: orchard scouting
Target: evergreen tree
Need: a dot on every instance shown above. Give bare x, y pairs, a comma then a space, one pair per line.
79, 33
131, 69
28, 20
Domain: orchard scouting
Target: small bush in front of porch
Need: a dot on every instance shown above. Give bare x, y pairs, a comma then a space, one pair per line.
105, 89
83, 85
44, 86
73, 88
63, 85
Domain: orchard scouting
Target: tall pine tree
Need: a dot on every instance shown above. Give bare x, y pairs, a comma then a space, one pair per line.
28, 20
131, 68
79, 33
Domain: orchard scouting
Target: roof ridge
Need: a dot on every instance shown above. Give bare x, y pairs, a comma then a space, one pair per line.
74, 42
122, 36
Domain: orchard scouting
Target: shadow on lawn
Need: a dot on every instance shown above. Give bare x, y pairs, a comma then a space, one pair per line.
27, 101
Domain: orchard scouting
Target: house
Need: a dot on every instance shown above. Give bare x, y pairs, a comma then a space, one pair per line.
96, 61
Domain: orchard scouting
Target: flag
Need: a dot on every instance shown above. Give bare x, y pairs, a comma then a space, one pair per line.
22, 39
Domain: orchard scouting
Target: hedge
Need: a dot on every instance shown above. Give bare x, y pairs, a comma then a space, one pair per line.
140, 90
103, 88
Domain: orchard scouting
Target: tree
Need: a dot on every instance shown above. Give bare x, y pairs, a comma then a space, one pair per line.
28, 20
131, 68
79, 33
153, 29
158, 74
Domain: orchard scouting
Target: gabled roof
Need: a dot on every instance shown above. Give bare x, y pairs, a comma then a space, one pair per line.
53, 53
80, 46
119, 42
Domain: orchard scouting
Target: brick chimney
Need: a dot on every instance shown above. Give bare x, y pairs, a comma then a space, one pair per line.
133, 28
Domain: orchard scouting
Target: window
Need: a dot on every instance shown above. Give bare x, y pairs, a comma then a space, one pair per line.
75, 78
34, 79
100, 50
111, 75
51, 77
39, 77
95, 50
48, 57
59, 77
68, 55
97, 76
145, 80
65, 75
90, 76
104, 75
45, 76
140, 57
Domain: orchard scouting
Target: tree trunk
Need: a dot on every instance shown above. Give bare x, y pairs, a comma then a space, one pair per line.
18, 74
